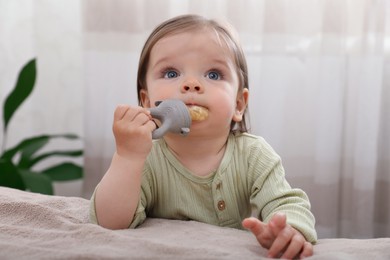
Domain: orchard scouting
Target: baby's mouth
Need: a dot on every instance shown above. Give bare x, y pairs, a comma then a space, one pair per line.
198, 113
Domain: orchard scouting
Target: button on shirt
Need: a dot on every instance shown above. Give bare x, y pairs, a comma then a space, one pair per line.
221, 205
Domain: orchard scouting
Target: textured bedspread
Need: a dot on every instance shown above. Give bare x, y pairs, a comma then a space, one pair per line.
34, 226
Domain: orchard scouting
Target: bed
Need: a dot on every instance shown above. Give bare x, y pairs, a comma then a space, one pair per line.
36, 226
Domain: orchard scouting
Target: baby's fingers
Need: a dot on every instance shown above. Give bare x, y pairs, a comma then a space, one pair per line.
254, 225
307, 250
282, 242
260, 230
295, 247
127, 113
120, 112
277, 223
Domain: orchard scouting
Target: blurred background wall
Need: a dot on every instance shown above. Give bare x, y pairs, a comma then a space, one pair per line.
319, 73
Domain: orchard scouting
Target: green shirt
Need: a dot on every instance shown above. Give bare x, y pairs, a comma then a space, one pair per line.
250, 181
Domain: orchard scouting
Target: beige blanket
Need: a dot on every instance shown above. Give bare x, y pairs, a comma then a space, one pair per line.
34, 226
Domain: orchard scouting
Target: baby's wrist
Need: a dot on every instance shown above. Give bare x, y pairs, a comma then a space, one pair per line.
128, 157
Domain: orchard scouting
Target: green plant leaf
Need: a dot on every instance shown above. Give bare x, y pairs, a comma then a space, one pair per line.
30, 163
23, 88
66, 171
29, 146
9, 175
37, 182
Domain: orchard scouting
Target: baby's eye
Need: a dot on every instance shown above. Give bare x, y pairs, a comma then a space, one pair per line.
214, 75
170, 74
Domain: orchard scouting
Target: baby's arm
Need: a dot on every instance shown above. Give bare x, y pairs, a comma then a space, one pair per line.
118, 192
280, 238
282, 233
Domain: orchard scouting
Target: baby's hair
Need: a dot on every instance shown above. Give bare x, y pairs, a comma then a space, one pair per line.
185, 23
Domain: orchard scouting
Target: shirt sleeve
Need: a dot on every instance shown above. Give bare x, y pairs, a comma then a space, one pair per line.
271, 193
92, 209
139, 215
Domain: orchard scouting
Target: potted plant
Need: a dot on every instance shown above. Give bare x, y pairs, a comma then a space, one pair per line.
17, 163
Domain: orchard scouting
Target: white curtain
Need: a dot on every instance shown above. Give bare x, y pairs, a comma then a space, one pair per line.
319, 75
51, 32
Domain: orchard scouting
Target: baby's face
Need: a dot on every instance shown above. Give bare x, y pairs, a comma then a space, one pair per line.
198, 68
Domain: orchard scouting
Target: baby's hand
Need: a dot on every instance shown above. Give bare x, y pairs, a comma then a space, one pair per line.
132, 129
280, 238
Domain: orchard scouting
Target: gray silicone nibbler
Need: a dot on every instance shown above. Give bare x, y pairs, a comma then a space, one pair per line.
174, 117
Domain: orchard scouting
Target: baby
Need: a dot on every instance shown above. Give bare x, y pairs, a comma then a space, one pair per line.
218, 174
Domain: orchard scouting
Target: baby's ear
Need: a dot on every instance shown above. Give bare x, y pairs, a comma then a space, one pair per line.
145, 101
241, 104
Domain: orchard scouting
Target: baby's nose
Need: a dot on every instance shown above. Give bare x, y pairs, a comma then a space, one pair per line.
192, 86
